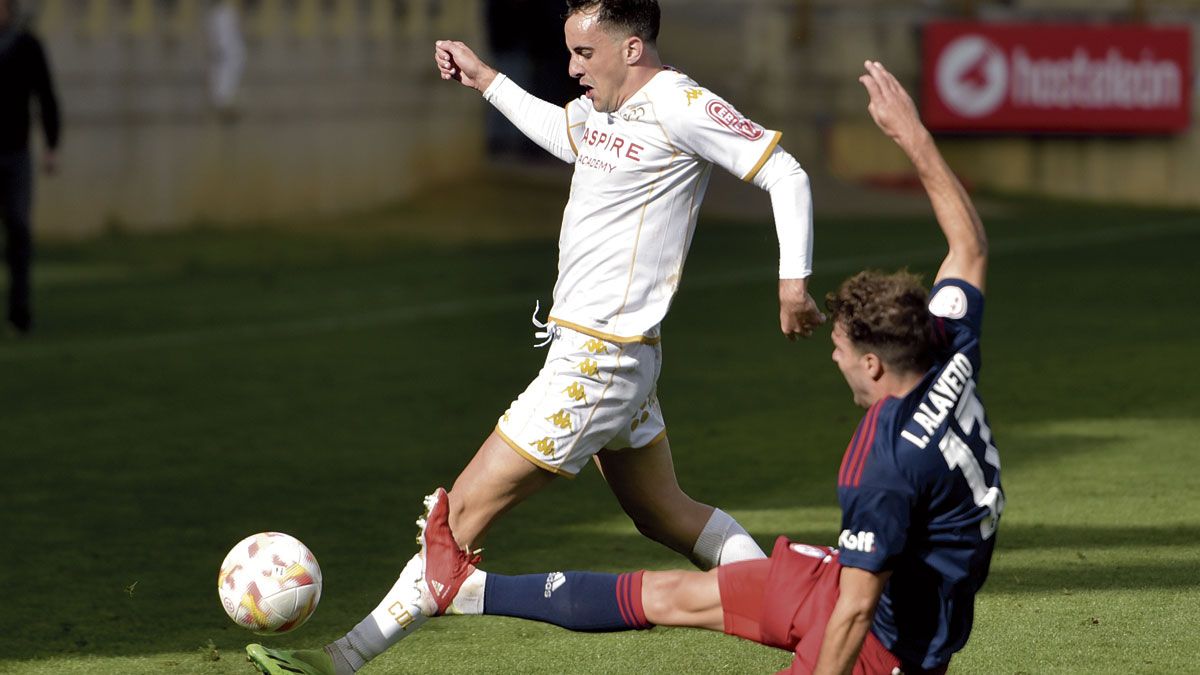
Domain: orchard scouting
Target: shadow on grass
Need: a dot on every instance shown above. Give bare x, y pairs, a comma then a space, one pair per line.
1085, 577
1071, 537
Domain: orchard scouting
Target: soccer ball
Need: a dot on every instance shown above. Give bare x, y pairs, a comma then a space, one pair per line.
269, 583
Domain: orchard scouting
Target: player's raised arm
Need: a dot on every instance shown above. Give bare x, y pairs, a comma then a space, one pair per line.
544, 123
893, 110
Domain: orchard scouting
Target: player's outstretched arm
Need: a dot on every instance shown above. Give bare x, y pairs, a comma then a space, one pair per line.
544, 123
456, 61
896, 115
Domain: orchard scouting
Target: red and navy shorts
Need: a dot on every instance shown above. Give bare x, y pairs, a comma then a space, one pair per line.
786, 600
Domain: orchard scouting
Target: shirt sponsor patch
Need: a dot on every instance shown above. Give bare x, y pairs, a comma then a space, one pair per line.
863, 542
725, 115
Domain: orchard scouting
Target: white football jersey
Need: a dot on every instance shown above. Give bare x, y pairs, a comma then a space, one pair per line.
640, 175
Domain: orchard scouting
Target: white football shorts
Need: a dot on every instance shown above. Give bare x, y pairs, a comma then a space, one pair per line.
591, 394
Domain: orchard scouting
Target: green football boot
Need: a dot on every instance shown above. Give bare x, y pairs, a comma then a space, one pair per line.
290, 662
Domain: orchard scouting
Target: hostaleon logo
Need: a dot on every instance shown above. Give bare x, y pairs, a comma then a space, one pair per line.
972, 76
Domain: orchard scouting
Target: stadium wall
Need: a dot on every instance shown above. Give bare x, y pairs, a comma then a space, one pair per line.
793, 65
339, 109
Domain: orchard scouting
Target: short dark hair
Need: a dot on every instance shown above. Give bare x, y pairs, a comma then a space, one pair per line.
887, 315
632, 17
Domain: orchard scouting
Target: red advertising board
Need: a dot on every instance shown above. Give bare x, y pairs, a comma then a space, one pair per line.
1056, 78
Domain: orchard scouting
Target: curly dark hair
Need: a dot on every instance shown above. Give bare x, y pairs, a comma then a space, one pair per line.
632, 17
887, 315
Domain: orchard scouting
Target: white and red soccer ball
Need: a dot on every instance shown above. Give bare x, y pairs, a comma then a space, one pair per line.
269, 583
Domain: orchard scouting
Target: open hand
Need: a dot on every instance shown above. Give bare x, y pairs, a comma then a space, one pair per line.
891, 107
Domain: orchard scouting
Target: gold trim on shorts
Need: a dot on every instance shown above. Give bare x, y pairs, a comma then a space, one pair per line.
661, 435
516, 447
592, 332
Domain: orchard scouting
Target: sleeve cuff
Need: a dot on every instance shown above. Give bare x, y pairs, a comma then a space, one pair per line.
490, 92
789, 269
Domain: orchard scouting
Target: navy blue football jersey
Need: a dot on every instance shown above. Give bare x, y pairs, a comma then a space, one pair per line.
920, 493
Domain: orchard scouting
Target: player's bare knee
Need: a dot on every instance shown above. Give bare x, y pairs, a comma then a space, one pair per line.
679, 598
660, 598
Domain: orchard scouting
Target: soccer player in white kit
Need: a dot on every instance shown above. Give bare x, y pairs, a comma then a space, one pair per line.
643, 139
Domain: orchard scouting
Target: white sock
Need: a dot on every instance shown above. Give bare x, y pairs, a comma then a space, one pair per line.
397, 616
470, 597
723, 541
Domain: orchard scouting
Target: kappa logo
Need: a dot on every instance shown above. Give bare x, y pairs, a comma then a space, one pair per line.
724, 114
576, 392
562, 420
589, 367
693, 94
554, 581
544, 446
595, 346
863, 542
972, 76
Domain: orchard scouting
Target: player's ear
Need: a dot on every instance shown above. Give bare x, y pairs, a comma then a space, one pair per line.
873, 365
634, 47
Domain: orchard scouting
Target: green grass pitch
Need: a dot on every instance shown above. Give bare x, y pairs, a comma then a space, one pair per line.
184, 391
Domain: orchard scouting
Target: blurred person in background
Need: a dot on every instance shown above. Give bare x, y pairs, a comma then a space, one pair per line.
24, 74
227, 56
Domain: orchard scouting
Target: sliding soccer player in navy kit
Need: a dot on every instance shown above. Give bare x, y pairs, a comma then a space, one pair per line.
919, 484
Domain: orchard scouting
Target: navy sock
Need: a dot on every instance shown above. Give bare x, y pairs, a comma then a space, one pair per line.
582, 601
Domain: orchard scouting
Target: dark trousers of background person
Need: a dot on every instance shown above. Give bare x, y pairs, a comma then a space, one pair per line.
16, 203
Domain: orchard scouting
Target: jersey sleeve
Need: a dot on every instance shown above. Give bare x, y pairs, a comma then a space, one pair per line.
576, 114
544, 123
874, 527
874, 495
702, 124
957, 309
